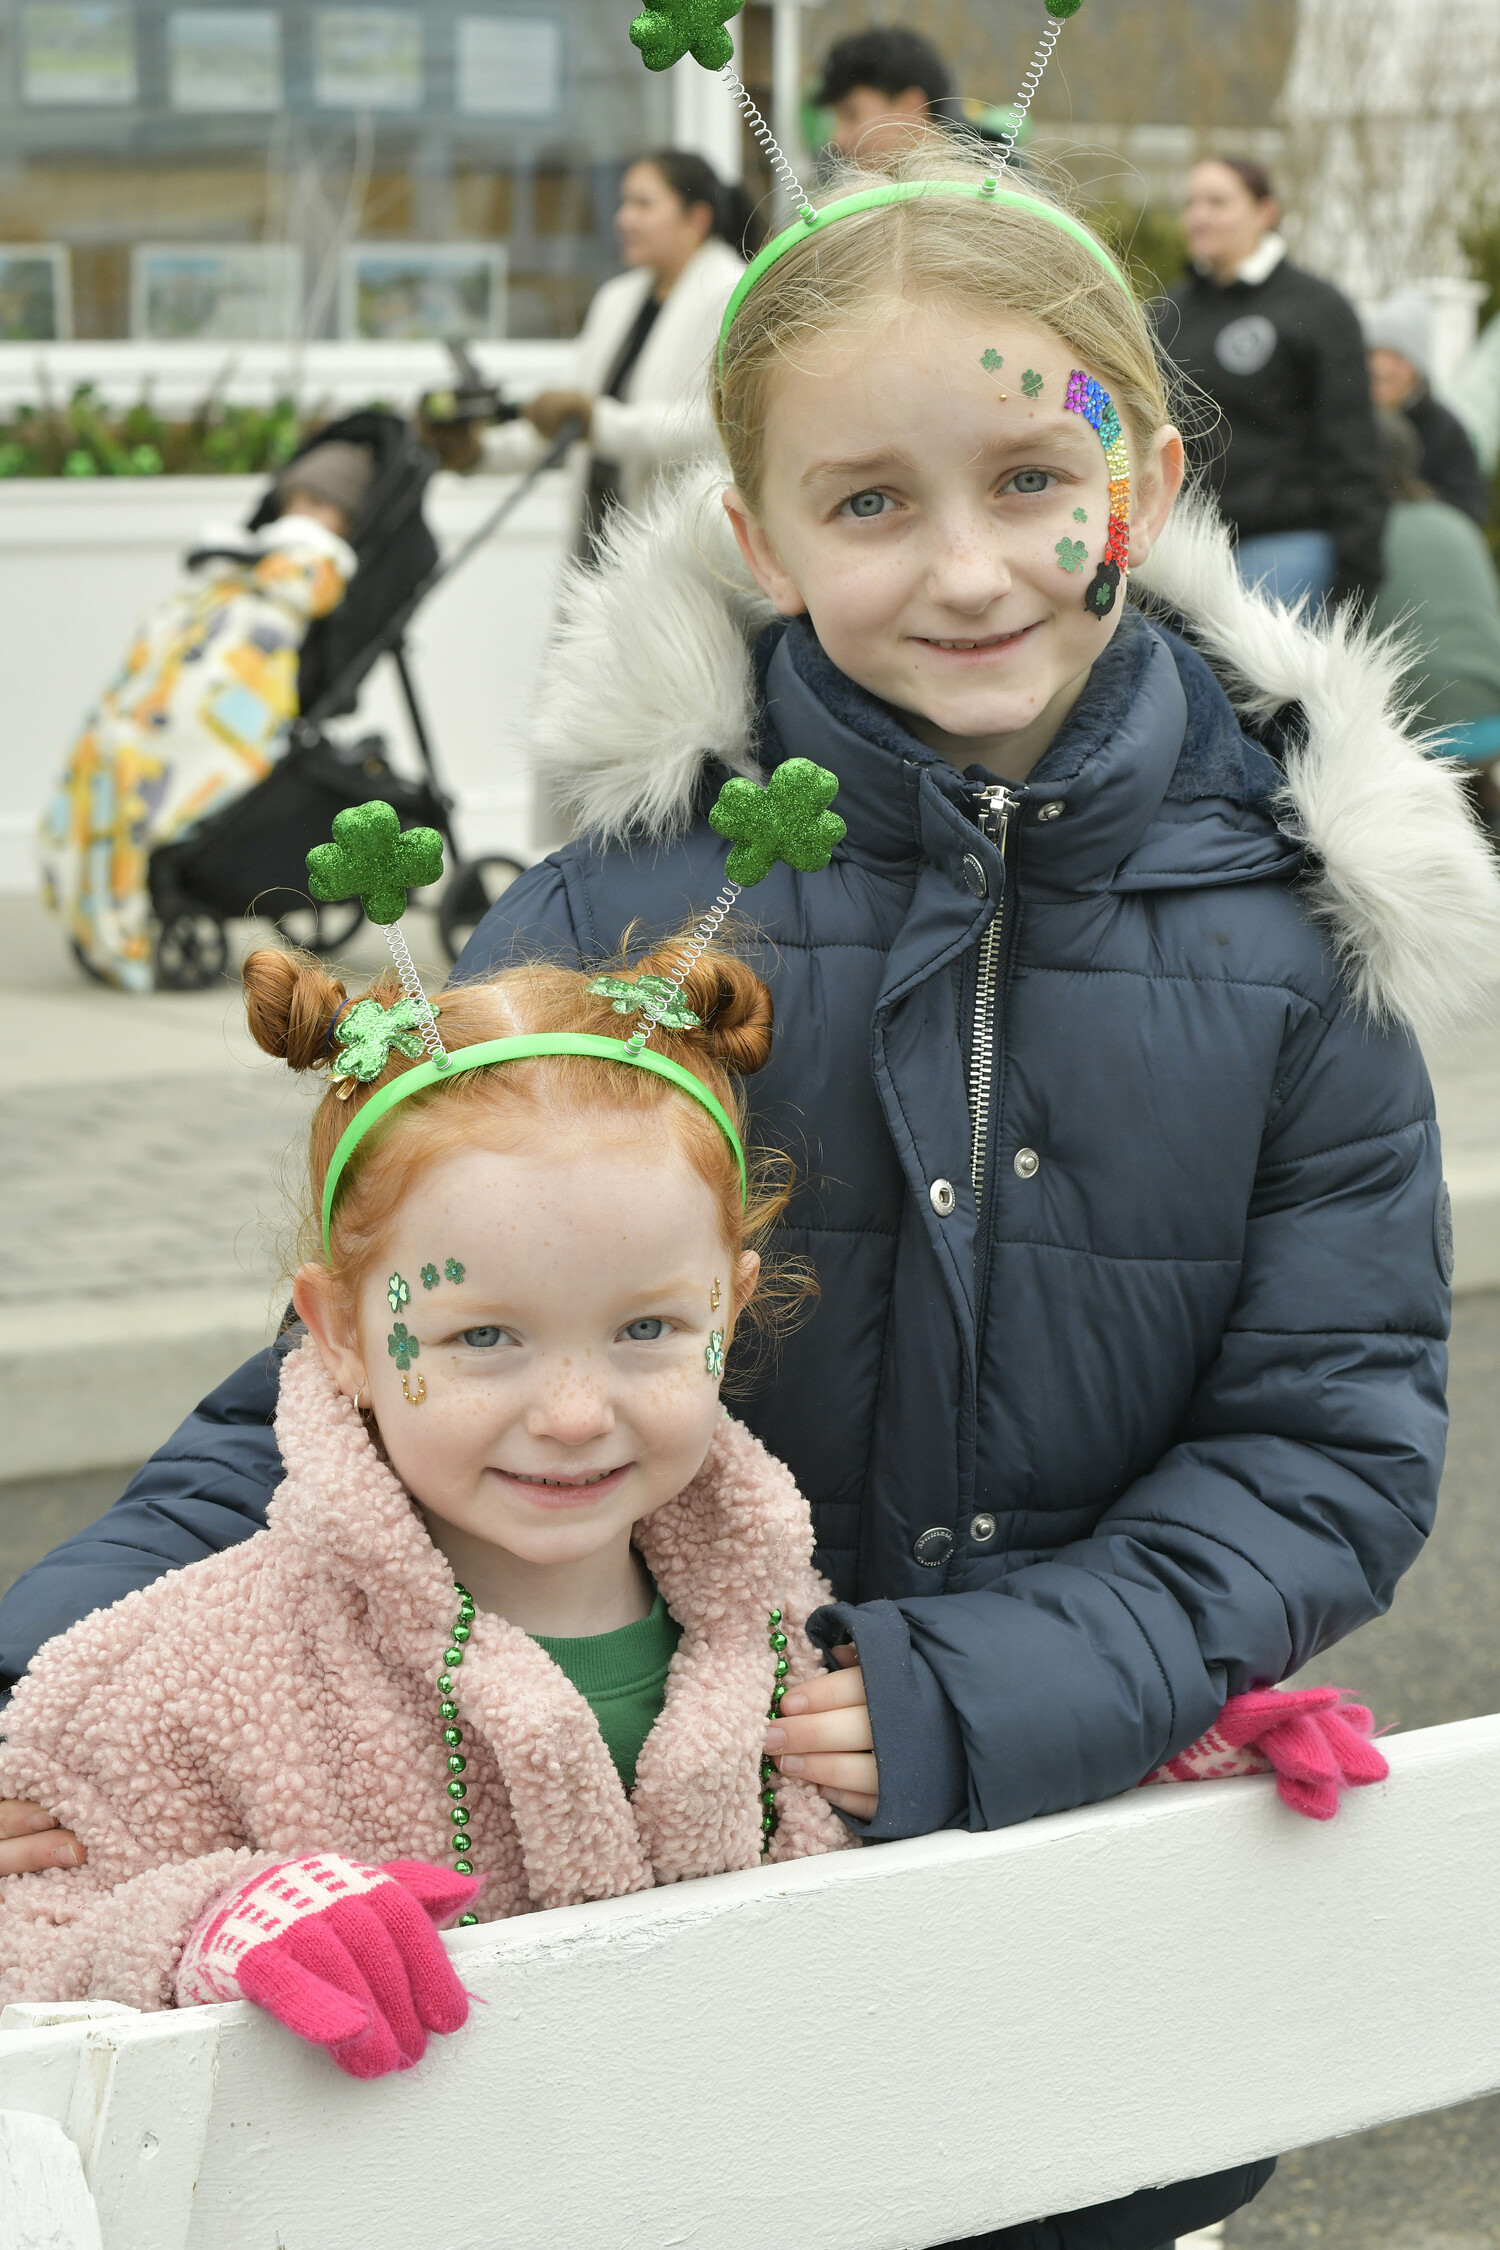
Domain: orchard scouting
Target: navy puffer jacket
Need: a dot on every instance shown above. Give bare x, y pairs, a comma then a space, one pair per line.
1159, 1413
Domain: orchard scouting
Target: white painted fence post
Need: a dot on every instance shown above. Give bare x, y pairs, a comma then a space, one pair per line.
139, 2117
45, 2202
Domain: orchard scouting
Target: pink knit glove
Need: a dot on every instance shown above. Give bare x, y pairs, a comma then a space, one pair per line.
1314, 1743
346, 1956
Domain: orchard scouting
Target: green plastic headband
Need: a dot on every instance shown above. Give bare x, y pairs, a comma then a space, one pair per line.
517, 1050
907, 191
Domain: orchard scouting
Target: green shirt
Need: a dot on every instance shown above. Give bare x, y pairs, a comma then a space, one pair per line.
622, 1676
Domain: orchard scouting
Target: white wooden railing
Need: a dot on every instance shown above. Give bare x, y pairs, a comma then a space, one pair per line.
878, 2051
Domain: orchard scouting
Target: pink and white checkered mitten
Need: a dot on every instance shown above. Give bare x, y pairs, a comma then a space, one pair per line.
1312, 1740
346, 1956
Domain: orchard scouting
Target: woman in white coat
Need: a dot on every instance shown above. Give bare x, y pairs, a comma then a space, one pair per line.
645, 348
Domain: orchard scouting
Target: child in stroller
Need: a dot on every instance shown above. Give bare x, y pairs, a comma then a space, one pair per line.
199, 710
203, 772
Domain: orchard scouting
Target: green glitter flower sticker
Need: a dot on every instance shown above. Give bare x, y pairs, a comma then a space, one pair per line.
713, 1353
788, 820
1072, 554
372, 860
669, 29
1031, 383
453, 1269
369, 1031
629, 995
992, 362
430, 1277
403, 1348
397, 1293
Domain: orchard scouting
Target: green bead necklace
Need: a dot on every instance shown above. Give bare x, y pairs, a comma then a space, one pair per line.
767, 1766
453, 1656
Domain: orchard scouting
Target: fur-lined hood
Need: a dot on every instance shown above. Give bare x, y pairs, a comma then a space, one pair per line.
653, 676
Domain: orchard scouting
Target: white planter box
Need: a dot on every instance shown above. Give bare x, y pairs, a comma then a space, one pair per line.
82, 559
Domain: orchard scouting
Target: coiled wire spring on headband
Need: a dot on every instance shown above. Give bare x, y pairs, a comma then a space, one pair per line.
687, 960
784, 172
1027, 94
771, 148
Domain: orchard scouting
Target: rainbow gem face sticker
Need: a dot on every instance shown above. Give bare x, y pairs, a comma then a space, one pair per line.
1093, 402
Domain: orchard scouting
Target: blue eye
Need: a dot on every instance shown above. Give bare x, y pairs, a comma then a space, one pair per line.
644, 1331
866, 505
1030, 481
483, 1339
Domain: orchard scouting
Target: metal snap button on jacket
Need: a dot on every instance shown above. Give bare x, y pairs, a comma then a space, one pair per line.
942, 1198
1028, 1163
981, 1529
1053, 810
933, 1546
975, 876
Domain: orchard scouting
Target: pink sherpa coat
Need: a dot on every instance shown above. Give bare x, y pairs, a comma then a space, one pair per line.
281, 1698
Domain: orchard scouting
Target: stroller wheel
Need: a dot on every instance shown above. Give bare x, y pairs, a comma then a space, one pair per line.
321, 929
191, 952
471, 891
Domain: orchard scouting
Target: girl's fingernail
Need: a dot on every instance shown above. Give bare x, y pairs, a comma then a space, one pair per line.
793, 1704
36, 1822
67, 1855
775, 1737
793, 1765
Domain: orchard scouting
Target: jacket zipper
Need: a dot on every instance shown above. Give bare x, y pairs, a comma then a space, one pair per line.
995, 809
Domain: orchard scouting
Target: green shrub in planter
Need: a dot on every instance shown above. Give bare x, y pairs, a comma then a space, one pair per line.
86, 438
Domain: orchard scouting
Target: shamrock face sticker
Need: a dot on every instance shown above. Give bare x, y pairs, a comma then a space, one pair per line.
453, 1269
713, 1353
370, 859
787, 820
669, 29
397, 1293
1071, 554
402, 1348
629, 995
1031, 383
367, 1034
430, 1277
991, 361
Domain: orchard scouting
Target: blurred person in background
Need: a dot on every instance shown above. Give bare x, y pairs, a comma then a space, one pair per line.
1399, 340
1282, 356
640, 396
1441, 586
880, 85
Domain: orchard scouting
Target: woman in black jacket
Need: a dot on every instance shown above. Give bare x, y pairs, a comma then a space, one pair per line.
1280, 353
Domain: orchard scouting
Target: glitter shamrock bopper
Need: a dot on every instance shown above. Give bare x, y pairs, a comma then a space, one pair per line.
787, 819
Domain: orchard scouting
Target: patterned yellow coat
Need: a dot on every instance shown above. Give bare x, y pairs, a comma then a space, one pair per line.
196, 715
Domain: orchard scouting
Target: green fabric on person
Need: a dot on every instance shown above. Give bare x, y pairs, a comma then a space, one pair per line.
622, 1676
1440, 582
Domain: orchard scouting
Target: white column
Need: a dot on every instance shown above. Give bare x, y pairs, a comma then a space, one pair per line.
706, 118
786, 87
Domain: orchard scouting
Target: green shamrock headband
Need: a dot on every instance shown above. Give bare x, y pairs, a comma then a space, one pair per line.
666, 31
371, 859
811, 222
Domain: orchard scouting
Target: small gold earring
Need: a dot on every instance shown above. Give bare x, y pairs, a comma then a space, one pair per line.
713, 1296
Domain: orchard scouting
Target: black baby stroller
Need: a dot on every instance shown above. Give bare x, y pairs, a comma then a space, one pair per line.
251, 858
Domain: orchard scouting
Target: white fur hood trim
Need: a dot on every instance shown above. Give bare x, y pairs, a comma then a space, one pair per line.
652, 672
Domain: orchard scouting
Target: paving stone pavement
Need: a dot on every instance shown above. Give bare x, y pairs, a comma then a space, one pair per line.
123, 1189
